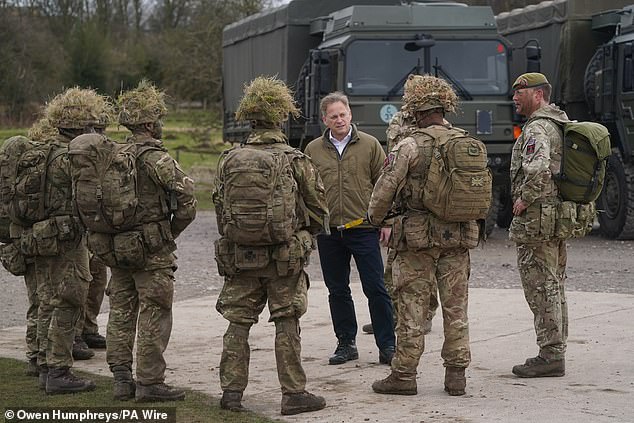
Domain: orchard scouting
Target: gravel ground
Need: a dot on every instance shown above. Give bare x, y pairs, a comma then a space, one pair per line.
594, 265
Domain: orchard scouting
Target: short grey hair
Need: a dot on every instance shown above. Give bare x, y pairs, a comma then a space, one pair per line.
332, 98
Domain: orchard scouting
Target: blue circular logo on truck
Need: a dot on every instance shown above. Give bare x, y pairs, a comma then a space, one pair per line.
387, 112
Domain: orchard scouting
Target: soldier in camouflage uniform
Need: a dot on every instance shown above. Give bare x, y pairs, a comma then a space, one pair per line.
401, 126
141, 297
63, 279
541, 258
428, 250
266, 103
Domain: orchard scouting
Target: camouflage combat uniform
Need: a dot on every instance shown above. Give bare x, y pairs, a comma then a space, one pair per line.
87, 325
141, 299
281, 283
401, 126
428, 251
541, 257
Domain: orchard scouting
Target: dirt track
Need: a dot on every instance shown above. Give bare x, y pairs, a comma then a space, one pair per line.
594, 265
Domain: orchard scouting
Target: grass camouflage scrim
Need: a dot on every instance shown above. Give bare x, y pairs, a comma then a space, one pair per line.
266, 99
144, 104
425, 92
79, 108
42, 130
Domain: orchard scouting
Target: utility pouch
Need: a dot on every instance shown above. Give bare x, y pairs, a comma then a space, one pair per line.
45, 234
66, 228
547, 224
225, 257
469, 234
416, 231
12, 259
152, 236
101, 245
250, 258
566, 219
586, 214
128, 250
444, 234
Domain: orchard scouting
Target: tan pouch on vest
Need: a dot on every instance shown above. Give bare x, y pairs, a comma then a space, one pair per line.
12, 259
416, 230
128, 250
225, 257
249, 258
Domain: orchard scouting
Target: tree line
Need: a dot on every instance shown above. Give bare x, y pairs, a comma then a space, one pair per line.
109, 45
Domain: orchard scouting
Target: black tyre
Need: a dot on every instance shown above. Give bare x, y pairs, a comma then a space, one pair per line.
616, 202
505, 209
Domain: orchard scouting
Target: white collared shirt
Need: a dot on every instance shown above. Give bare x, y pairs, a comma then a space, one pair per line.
341, 145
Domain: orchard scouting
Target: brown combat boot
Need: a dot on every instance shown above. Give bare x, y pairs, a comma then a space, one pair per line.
232, 401
61, 380
43, 375
395, 384
540, 367
31, 368
81, 350
455, 381
301, 402
158, 392
123, 387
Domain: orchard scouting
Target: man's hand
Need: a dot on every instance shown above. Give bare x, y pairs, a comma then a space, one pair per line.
384, 236
519, 206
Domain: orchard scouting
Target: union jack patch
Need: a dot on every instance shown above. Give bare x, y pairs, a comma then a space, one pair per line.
530, 146
389, 159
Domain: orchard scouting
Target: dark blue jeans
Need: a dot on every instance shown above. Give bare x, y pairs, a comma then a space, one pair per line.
335, 251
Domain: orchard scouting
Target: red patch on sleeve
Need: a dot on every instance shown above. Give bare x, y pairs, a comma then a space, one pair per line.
530, 146
389, 159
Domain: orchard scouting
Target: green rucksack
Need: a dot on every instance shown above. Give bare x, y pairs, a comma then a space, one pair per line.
104, 175
259, 194
23, 167
459, 182
584, 155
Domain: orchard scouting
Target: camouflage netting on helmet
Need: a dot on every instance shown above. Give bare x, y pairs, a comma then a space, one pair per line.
266, 99
79, 108
42, 130
144, 104
426, 92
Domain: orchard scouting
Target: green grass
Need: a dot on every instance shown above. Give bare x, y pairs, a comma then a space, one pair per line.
18, 390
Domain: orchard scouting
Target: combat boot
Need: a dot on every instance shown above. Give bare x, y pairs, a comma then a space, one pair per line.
42, 376
346, 350
455, 381
123, 387
232, 401
301, 402
31, 368
158, 392
395, 384
368, 328
94, 340
540, 367
61, 380
81, 350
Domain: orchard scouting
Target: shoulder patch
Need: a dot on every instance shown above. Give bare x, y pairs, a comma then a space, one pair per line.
530, 145
389, 159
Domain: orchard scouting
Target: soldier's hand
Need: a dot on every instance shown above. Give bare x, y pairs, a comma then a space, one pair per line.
519, 206
384, 236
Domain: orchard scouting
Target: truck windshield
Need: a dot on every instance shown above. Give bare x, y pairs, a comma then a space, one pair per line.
373, 67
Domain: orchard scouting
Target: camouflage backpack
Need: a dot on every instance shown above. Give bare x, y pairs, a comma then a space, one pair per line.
104, 175
23, 167
458, 185
259, 194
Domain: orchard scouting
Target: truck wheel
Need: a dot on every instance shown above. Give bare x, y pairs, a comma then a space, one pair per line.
505, 209
616, 202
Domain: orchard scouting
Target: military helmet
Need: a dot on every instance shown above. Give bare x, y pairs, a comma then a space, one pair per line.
426, 92
42, 130
266, 99
78, 108
144, 104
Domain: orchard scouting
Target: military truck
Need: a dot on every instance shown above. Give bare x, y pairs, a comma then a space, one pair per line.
366, 49
587, 53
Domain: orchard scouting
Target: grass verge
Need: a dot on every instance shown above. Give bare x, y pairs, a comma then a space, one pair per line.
20, 391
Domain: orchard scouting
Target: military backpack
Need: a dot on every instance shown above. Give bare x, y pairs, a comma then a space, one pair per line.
458, 185
104, 175
259, 194
586, 147
23, 169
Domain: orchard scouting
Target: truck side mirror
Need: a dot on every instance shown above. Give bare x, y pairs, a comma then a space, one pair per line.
533, 58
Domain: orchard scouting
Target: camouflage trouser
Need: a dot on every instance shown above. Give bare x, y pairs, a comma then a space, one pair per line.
387, 278
146, 295
542, 268
62, 286
414, 275
30, 281
88, 322
241, 301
